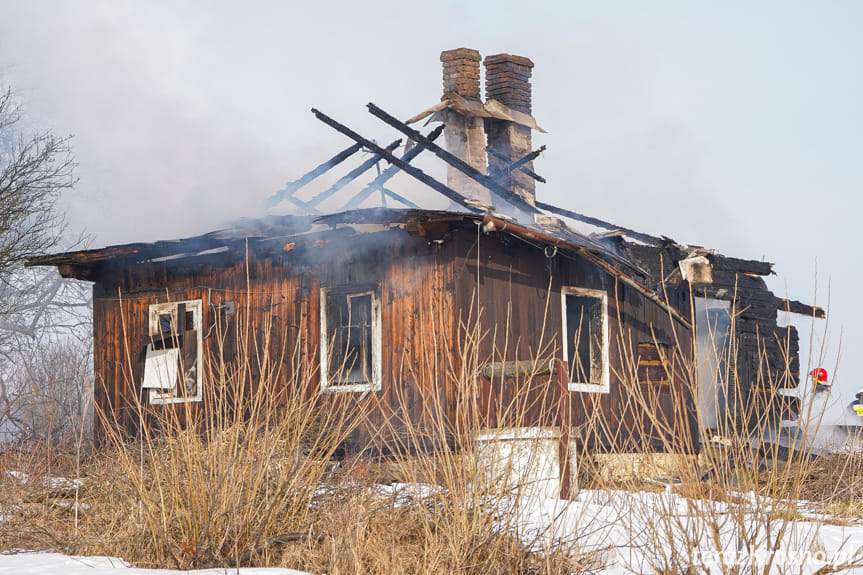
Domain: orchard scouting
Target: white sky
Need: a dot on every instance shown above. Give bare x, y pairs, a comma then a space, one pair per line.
732, 125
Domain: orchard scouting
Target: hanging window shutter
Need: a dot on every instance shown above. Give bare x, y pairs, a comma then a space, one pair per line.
161, 368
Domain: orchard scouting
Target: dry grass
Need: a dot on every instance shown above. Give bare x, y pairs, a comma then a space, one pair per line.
741, 498
259, 484
349, 524
837, 481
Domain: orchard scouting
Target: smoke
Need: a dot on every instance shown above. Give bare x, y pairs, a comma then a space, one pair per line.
157, 156
162, 154
616, 157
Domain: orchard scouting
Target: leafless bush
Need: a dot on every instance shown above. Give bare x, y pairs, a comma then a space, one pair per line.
738, 505
252, 483
47, 397
247, 478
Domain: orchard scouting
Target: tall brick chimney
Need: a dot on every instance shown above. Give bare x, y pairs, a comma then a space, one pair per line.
464, 136
507, 80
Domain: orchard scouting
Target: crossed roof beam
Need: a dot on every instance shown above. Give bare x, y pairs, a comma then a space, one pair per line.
491, 182
397, 163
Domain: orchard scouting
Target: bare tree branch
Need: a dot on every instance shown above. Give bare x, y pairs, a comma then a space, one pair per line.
34, 172
45, 325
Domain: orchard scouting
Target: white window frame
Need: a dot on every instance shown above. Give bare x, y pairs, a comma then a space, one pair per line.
605, 385
158, 397
377, 368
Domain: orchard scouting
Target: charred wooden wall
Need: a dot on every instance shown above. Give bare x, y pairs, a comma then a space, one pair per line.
518, 289
434, 351
277, 301
765, 355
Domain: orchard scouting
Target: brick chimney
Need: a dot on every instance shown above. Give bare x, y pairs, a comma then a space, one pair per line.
464, 136
507, 80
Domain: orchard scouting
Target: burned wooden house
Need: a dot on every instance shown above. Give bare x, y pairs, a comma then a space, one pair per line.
380, 302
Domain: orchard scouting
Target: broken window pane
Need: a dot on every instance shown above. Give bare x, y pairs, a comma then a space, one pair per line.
349, 337
189, 362
585, 339
172, 366
164, 329
166, 323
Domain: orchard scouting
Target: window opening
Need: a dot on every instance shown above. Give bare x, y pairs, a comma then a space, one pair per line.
172, 368
351, 344
585, 332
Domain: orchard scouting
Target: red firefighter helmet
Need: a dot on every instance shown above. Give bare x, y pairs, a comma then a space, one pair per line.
819, 375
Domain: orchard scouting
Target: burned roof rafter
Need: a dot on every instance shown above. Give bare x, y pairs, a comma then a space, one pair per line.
487, 181
422, 143
404, 166
351, 176
386, 175
454, 161
518, 164
800, 308
311, 206
288, 191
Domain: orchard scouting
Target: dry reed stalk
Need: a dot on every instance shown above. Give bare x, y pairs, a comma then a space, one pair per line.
249, 480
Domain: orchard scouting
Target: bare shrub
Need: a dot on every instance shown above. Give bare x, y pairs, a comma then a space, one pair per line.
736, 507
249, 478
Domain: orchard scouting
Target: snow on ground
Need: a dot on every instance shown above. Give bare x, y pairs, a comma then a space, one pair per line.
629, 532
648, 532
644, 532
37, 563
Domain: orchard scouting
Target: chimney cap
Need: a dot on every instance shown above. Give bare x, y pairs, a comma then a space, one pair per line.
508, 58
460, 53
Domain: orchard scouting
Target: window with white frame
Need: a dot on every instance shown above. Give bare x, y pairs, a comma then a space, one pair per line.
350, 340
585, 338
172, 368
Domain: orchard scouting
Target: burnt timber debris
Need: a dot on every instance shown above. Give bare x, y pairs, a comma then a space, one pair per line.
497, 252
517, 165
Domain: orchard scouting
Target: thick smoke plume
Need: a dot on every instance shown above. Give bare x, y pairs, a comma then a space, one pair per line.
157, 158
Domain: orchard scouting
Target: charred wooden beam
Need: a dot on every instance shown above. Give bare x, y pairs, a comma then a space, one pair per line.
452, 160
758, 297
726, 263
795, 306
391, 171
743, 297
79, 272
448, 192
351, 176
518, 164
738, 281
646, 238
292, 187
301, 204
398, 198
